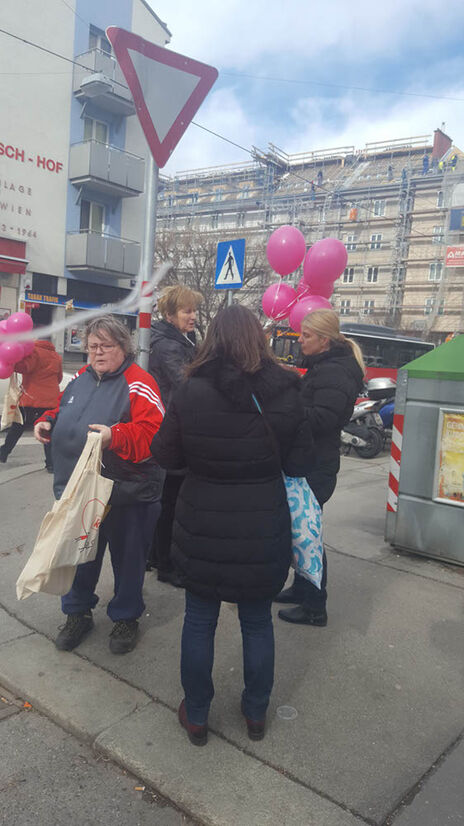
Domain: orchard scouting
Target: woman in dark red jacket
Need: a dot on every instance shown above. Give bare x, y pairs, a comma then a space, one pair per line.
42, 373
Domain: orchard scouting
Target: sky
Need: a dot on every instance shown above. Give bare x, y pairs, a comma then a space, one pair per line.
288, 73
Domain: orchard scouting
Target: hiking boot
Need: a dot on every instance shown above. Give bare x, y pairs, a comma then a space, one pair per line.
123, 637
198, 735
302, 616
289, 595
256, 728
77, 627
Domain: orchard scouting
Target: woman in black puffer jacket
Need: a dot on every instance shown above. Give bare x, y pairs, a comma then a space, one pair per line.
330, 387
232, 533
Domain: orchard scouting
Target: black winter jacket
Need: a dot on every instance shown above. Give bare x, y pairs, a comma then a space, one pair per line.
170, 352
231, 538
330, 388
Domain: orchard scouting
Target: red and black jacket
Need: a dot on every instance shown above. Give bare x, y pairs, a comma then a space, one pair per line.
128, 401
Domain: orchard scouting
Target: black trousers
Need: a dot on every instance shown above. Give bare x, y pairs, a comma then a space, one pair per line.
30, 415
160, 552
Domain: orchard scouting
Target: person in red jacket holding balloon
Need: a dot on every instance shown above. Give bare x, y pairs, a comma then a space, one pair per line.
42, 373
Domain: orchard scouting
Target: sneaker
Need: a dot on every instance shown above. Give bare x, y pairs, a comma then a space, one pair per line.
77, 627
198, 735
256, 728
289, 595
302, 616
123, 637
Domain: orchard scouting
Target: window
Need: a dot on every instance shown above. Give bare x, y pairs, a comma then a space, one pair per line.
244, 193
348, 275
368, 307
92, 217
351, 242
440, 199
437, 235
240, 219
98, 40
373, 275
95, 130
375, 241
215, 220
435, 271
345, 306
218, 195
379, 207
429, 305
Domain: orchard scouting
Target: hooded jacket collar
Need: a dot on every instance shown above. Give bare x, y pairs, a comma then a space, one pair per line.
340, 353
164, 329
237, 386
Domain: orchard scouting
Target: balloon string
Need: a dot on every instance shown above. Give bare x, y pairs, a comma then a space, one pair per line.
130, 303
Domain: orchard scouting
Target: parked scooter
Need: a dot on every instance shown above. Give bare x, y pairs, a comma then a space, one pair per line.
366, 431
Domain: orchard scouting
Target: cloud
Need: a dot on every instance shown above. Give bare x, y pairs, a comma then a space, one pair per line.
235, 33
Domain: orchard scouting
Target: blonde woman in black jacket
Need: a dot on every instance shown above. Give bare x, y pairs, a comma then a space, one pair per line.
232, 533
332, 382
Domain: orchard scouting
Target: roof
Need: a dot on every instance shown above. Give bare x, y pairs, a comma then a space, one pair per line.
445, 362
147, 6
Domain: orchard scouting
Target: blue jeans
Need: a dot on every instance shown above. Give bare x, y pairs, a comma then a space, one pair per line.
128, 530
201, 616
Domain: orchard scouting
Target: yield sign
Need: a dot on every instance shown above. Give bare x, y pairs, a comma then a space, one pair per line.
167, 88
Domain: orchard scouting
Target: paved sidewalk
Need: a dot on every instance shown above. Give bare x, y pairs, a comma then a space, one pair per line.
378, 693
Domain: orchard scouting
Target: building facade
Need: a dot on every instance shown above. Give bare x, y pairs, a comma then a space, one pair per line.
72, 158
390, 203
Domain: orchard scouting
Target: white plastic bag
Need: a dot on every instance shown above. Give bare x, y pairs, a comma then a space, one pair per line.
68, 535
306, 516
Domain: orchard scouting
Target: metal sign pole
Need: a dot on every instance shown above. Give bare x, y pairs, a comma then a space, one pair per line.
230, 298
146, 263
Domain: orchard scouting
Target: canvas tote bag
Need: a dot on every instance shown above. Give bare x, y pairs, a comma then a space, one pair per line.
11, 412
68, 535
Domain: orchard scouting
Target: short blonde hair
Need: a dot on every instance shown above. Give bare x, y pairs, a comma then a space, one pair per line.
178, 297
325, 323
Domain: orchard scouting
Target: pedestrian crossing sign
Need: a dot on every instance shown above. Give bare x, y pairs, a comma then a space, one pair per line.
230, 262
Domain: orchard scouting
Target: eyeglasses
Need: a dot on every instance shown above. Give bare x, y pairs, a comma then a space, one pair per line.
94, 348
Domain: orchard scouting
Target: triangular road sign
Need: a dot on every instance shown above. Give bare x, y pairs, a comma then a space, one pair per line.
167, 88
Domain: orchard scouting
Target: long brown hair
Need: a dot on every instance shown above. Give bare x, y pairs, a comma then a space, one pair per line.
234, 335
325, 323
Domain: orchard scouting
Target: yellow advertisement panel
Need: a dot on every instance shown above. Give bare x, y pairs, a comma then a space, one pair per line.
450, 457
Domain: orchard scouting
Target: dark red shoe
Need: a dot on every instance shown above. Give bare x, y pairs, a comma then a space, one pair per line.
256, 728
198, 735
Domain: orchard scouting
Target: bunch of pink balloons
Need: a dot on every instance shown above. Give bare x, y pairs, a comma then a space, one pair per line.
323, 264
12, 351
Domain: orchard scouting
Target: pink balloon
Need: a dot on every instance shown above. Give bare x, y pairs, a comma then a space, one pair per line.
285, 249
3, 327
305, 306
324, 262
278, 300
11, 351
19, 323
302, 289
5, 370
28, 347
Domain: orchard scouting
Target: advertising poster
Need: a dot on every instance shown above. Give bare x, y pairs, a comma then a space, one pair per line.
449, 472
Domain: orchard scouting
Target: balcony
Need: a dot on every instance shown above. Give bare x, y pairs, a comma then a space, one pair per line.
106, 169
94, 252
99, 78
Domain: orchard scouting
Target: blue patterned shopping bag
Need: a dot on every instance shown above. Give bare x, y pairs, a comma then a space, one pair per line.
306, 516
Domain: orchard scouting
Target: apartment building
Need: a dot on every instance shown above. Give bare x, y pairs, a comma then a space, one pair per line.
72, 158
390, 203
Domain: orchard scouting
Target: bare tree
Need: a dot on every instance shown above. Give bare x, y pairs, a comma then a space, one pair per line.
193, 255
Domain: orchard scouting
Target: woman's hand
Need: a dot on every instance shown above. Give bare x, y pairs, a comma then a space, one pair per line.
105, 432
42, 432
